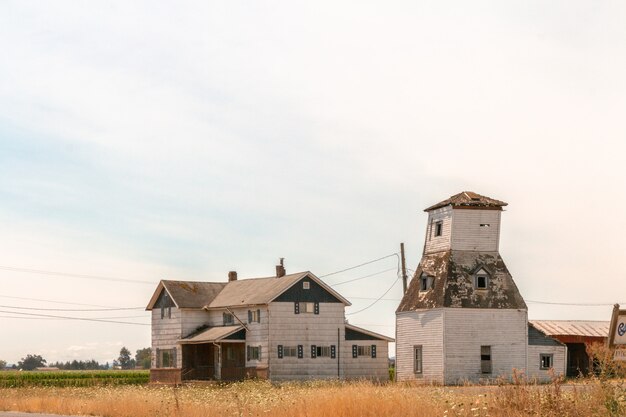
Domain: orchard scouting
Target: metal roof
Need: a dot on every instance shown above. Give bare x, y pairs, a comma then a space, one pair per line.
469, 199
212, 334
572, 327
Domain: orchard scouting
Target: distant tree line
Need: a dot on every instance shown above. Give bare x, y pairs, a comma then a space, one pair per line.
124, 361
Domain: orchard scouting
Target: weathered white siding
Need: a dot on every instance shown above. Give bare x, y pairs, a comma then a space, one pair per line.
366, 367
467, 329
423, 328
467, 234
289, 329
559, 360
192, 319
438, 243
165, 333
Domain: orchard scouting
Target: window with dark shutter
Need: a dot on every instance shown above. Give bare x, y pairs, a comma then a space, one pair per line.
249, 316
316, 308
355, 351
300, 351
280, 351
296, 307
313, 351
258, 316
248, 353
333, 352
373, 351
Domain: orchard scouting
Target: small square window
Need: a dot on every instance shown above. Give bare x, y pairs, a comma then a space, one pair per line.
306, 285
545, 361
438, 228
481, 282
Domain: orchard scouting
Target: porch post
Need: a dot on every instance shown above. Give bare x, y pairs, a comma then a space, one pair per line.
217, 360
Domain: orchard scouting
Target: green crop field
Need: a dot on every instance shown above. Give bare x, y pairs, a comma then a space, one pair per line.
15, 379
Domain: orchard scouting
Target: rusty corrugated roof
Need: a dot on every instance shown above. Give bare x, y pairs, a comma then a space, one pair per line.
583, 328
469, 199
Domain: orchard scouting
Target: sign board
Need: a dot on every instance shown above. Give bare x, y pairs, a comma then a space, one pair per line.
620, 355
617, 331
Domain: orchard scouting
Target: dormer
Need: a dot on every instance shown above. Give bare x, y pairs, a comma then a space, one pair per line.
466, 221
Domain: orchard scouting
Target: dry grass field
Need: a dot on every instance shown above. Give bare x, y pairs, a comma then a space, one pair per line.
329, 399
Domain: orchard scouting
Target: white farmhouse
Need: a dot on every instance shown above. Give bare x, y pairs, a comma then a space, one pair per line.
462, 317
285, 327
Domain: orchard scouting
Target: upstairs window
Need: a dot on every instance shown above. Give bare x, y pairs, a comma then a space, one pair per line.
166, 312
438, 228
481, 279
229, 319
426, 282
254, 316
306, 285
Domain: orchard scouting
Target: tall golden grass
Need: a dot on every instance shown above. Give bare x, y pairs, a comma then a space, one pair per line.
327, 399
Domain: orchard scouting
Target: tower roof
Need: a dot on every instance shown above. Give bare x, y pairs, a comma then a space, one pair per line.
469, 199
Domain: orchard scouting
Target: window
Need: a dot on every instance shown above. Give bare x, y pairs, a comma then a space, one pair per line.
485, 359
545, 361
417, 359
323, 351
481, 282
426, 282
485, 225
229, 352
308, 307
364, 351
166, 358
438, 228
229, 319
166, 312
290, 351
254, 316
306, 285
253, 353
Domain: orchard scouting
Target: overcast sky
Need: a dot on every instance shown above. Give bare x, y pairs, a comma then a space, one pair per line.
181, 140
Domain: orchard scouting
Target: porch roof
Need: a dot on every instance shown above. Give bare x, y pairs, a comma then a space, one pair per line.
212, 334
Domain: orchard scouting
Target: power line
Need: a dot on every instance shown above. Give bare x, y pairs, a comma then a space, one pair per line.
73, 318
373, 298
74, 309
63, 318
377, 300
572, 304
360, 265
71, 275
51, 301
366, 276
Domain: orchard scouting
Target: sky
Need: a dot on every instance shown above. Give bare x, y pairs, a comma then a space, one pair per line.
142, 141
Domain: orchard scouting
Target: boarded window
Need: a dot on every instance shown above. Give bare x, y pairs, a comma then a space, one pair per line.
254, 316
308, 307
417, 359
438, 228
166, 312
485, 359
545, 361
306, 285
364, 351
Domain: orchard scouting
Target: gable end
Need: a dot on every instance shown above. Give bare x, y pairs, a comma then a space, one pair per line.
315, 293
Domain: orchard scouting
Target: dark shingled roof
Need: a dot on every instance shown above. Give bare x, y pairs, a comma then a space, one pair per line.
469, 199
453, 285
193, 294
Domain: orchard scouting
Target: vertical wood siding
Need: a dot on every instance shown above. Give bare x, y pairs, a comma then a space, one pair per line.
423, 328
559, 362
467, 329
438, 243
467, 234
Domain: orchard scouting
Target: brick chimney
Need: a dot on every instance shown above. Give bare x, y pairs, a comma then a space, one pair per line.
280, 269
232, 276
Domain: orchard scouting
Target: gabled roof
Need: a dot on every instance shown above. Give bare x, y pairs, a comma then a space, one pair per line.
572, 327
453, 283
369, 333
188, 294
258, 291
469, 199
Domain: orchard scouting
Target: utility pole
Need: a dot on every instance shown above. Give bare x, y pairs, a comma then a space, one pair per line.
404, 277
